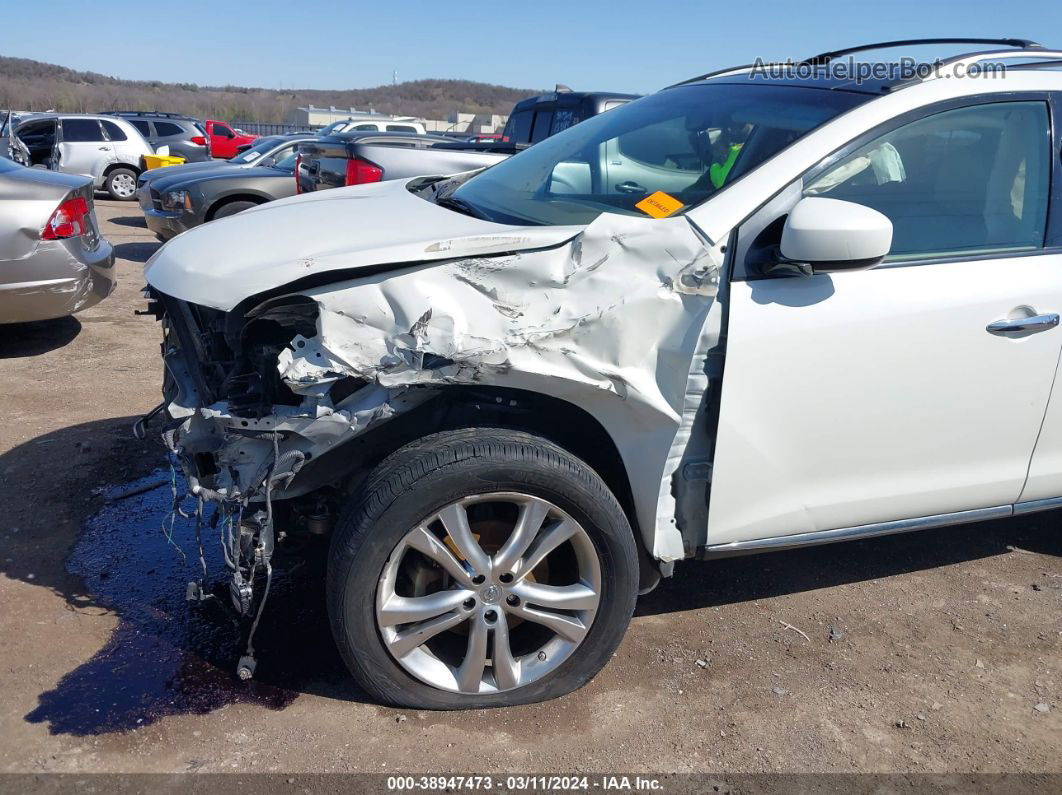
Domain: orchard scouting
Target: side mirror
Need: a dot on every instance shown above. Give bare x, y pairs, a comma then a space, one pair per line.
828, 235
267, 162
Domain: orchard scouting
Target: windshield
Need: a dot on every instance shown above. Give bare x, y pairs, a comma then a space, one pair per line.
258, 148
655, 156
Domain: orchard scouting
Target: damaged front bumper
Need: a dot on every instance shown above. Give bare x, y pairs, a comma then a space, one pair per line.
240, 432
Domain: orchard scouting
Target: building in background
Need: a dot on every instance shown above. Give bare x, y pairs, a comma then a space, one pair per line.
465, 123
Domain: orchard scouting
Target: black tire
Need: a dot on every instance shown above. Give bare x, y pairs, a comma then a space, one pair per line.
232, 208
121, 175
423, 477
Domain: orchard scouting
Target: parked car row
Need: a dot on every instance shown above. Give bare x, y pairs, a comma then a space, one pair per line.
348, 152
226, 172
110, 147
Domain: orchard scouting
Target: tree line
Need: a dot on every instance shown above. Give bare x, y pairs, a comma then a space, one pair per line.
35, 86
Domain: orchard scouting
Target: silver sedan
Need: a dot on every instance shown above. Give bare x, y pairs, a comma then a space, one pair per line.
53, 261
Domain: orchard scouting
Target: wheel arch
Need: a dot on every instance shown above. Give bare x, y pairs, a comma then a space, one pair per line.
111, 167
229, 198
559, 421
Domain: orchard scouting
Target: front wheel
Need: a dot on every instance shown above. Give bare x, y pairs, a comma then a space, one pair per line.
480, 568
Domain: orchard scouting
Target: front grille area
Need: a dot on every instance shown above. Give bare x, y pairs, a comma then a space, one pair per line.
247, 378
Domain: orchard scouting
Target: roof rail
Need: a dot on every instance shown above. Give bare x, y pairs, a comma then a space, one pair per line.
1047, 57
826, 57
155, 114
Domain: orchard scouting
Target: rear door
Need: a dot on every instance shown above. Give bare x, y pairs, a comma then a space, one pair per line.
127, 148
82, 148
894, 393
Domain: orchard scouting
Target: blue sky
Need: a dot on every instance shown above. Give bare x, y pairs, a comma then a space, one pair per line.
619, 45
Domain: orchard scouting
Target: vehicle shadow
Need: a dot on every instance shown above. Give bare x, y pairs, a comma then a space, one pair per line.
18, 340
129, 220
140, 251
100, 545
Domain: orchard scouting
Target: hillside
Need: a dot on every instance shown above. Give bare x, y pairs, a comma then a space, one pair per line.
33, 85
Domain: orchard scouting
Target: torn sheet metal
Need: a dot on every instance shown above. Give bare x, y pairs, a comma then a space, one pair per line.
609, 321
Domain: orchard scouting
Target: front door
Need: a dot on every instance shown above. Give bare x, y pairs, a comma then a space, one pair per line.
917, 387
222, 140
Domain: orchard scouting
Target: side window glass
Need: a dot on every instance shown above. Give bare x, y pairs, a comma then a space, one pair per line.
141, 126
223, 131
540, 129
81, 131
167, 128
518, 128
966, 181
114, 132
401, 128
367, 127
668, 144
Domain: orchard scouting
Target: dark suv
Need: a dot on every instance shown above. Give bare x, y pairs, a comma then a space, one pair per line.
536, 118
184, 135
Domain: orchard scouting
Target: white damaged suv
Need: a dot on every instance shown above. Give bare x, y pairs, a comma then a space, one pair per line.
747, 312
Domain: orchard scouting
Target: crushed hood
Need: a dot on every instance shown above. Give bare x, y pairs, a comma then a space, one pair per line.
227, 260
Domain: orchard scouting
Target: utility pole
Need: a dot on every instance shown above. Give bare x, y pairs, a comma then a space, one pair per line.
394, 78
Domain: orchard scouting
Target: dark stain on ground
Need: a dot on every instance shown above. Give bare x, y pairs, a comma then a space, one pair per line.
169, 656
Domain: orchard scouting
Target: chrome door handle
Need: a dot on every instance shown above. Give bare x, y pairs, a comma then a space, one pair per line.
104, 148
1034, 323
630, 187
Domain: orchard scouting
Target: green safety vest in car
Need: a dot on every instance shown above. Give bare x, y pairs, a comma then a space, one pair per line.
717, 172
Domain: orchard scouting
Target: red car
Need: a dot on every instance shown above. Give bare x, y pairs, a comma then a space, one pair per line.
224, 141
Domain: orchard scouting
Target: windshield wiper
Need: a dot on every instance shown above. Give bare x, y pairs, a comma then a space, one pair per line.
461, 206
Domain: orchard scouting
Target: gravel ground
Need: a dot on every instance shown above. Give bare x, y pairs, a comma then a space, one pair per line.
934, 652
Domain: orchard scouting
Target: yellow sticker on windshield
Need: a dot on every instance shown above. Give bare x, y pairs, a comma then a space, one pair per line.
659, 205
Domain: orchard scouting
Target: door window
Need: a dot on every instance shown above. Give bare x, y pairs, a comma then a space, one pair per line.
669, 144
401, 128
114, 132
518, 128
81, 131
223, 131
966, 181
366, 127
142, 127
540, 129
167, 128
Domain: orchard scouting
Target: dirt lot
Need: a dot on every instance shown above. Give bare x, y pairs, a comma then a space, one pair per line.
939, 651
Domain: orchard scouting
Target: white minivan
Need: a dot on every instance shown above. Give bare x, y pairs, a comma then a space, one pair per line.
748, 312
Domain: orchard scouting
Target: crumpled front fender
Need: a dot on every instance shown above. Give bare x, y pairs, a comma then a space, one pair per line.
608, 321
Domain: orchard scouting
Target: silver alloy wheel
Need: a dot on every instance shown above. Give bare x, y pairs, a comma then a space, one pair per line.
123, 184
496, 599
